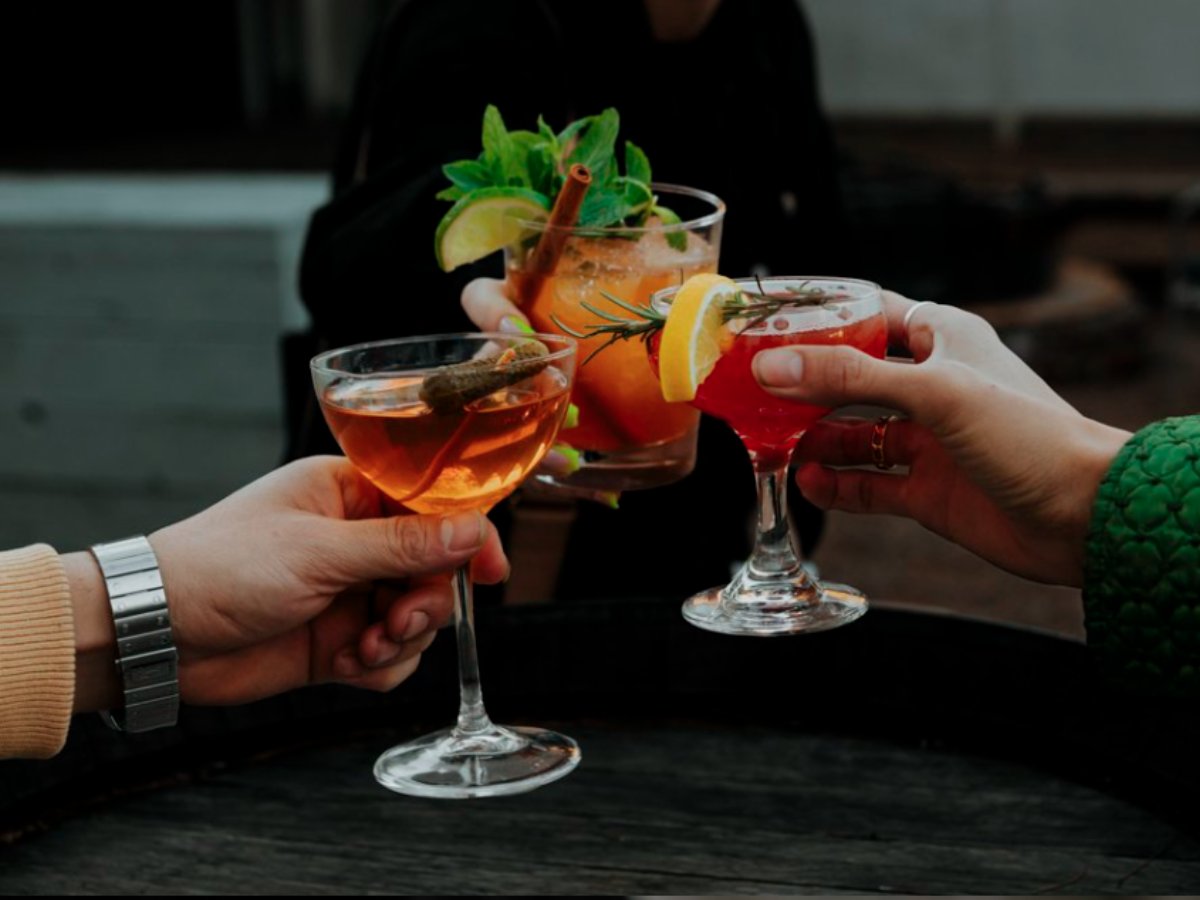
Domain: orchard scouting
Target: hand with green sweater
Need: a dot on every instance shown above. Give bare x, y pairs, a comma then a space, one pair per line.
997, 462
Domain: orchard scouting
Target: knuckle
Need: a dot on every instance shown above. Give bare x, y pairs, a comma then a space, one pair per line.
847, 372
393, 677
409, 539
864, 493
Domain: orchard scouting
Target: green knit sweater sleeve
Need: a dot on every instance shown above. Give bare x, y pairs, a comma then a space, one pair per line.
1142, 571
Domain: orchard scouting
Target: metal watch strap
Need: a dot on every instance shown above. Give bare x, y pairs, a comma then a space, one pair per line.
146, 656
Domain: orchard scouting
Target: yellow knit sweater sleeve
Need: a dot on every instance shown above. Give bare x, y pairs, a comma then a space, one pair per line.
37, 653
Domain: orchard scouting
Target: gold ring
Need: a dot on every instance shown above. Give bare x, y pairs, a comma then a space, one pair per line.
878, 433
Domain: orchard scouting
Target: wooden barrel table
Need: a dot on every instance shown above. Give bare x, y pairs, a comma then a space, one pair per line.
905, 753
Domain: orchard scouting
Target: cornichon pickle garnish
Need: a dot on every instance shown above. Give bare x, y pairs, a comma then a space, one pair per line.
454, 388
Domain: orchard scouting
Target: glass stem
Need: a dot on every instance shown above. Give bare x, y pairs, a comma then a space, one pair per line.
472, 717
775, 553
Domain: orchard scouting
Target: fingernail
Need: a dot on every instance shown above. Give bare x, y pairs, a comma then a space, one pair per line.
464, 531
779, 368
570, 460
345, 664
386, 651
572, 418
515, 325
417, 622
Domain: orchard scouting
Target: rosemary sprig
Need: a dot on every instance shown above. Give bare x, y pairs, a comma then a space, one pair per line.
643, 321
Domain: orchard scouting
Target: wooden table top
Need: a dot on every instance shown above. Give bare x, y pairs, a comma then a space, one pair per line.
845, 763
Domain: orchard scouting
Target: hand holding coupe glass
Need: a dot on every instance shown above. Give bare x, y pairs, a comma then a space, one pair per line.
995, 460
448, 424
701, 339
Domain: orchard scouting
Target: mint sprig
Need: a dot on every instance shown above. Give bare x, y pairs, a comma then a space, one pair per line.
539, 160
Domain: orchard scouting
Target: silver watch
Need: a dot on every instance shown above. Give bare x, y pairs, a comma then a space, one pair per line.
147, 660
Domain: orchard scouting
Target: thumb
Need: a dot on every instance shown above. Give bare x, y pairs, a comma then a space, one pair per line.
839, 376
404, 546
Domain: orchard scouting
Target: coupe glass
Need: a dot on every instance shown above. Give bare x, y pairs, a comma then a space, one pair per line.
773, 593
429, 422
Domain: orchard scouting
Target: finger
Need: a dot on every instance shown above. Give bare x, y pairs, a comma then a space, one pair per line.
424, 607
376, 650
563, 460
487, 305
385, 678
401, 546
490, 565
840, 376
910, 323
847, 442
854, 490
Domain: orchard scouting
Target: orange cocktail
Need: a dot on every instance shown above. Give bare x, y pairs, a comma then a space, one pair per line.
450, 461
448, 424
630, 436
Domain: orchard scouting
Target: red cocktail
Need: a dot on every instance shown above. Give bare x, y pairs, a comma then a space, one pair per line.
773, 593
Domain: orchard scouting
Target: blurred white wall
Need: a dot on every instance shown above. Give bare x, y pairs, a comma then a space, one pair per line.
1008, 58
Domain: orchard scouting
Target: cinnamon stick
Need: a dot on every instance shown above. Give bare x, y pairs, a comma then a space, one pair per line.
544, 258
542, 262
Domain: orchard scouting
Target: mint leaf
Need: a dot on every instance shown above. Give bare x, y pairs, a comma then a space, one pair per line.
468, 174
537, 161
498, 151
542, 165
637, 195
675, 239
567, 136
549, 136
637, 165
524, 143
602, 206
596, 146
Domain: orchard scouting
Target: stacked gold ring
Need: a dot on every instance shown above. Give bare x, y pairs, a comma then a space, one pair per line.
878, 435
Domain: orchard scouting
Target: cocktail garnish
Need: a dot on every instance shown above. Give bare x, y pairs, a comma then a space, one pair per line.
520, 173
754, 307
456, 387
544, 258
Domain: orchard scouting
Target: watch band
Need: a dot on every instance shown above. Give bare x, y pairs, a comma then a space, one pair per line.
146, 656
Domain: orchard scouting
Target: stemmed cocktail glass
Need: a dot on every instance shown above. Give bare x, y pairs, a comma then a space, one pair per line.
443, 425
773, 593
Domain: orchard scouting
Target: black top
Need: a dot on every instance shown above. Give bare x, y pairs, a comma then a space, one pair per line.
733, 111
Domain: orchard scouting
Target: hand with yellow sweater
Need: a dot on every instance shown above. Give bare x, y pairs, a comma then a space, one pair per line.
300, 578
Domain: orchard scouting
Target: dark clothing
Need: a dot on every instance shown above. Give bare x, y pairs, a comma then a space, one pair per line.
734, 112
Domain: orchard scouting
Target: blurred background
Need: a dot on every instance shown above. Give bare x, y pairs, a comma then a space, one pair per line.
1036, 161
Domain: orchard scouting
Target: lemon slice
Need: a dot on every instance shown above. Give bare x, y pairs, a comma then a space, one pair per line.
694, 336
484, 221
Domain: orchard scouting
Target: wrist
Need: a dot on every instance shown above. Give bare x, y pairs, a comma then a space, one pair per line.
97, 684
1099, 447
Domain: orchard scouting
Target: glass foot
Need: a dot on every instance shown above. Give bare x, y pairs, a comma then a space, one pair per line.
769, 609
503, 761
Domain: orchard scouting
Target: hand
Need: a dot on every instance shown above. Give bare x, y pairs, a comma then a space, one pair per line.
997, 462
301, 578
488, 304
